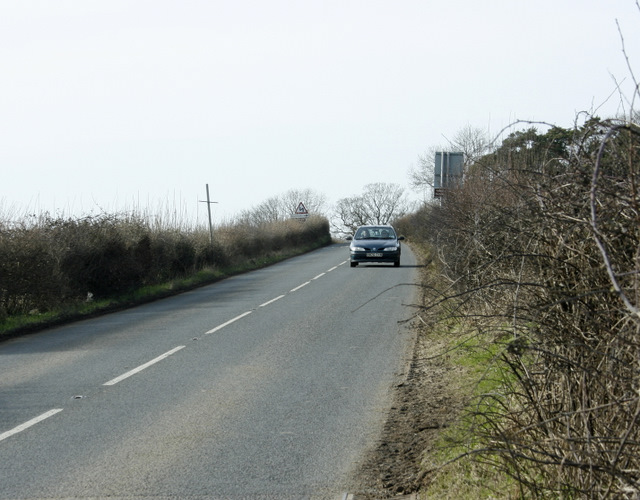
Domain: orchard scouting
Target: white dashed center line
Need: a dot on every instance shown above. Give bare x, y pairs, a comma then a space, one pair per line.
220, 327
271, 301
299, 287
142, 367
128, 374
28, 424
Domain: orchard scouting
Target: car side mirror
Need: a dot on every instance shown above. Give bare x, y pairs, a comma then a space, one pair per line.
400, 238
349, 238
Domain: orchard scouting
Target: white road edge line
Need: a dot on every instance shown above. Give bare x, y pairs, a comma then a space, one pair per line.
332, 269
271, 301
299, 287
319, 276
28, 424
142, 367
220, 327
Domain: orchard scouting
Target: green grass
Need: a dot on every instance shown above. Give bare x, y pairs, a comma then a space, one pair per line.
457, 471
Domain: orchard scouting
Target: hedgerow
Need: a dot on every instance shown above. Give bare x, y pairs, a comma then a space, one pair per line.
47, 263
539, 256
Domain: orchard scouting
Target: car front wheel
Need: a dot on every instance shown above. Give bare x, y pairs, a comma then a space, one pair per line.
354, 264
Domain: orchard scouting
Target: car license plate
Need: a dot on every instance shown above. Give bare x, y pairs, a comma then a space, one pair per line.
374, 255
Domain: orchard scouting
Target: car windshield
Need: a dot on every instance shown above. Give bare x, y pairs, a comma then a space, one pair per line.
375, 233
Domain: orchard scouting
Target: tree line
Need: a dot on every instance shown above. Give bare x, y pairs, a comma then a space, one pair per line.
379, 203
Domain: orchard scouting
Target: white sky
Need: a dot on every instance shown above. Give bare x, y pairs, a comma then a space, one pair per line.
119, 104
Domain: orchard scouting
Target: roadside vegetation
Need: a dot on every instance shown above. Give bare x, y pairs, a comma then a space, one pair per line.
56, 268
530, 307
53, 268
536, 283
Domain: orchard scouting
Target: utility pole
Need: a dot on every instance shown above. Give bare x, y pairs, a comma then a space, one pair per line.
209, 202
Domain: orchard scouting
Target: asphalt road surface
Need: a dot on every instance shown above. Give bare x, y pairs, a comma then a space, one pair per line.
271, 384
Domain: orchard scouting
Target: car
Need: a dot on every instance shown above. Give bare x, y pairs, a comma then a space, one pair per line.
375, 243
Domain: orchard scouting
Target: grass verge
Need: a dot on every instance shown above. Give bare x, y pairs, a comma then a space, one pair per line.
452, 466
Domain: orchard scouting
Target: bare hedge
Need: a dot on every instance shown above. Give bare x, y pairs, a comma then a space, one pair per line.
56, 261
539, 252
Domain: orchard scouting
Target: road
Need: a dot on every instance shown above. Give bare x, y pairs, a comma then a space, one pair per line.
270, 384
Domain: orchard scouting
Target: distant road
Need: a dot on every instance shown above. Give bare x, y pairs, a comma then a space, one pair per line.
270, 384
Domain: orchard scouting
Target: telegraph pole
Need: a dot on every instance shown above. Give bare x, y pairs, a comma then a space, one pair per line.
209, 202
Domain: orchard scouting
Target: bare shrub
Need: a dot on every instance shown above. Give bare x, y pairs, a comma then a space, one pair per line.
250, 240
539, 252
49, 262
26, 264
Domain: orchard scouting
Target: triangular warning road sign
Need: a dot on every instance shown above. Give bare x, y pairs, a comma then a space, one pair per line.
301, 210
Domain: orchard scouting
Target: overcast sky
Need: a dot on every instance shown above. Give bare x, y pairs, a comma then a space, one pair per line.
107, 105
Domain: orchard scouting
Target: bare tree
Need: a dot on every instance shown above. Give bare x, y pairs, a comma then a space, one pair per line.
350, 214
265, 212
473, 142
380, 203
315, 203
421, 177
284, 206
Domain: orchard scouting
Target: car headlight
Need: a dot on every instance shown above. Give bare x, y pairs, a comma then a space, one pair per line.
357, 249
390, 249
